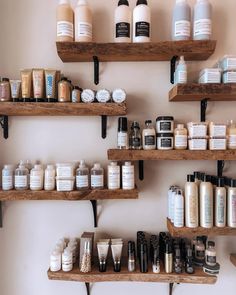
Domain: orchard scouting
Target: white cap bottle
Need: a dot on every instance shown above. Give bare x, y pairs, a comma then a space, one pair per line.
181, 22
206, 202
220, 203
179, 209
49, 178
141, 22
97, 177
36, 178
231, 205
122, 28
113, 176
181, 72
83, 22
65, 21
191, 203
128, 182
202, 27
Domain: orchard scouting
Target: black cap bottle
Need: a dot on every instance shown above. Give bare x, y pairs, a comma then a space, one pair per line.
144, 2
122, 136
123, 2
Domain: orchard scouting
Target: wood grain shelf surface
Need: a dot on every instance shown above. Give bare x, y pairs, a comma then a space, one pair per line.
62, 109
136, 155
198, 92
154, 51
233, 259
199, 277
199, 231
103, 194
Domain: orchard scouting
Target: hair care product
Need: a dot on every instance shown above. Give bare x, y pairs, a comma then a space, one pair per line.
5, 94
220, 203
97, 177
231, 132
141, 22
113, 176
119, 95
87, 96
122, 22
21, 177
231, 205
15, 90
83, 22
75, 95
64, 90
206, 202
181, 22
36, 178
82, 176
50, 82
181, 74
55, 261
165, 124
165, 141
210, 254
38, 84
67, 260
181, 137
7, 178
122, 135
179, 209
26, 84
128, 182
202, 27
131, 256
65, 21
49, 178
135, 139
191, 203
149, 136
168, 258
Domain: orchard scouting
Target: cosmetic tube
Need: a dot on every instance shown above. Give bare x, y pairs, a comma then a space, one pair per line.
26, 84
38, 84
168, 258
15, 89
102, 255
143, 258
156, 260
50, 82
131, 256
116, 255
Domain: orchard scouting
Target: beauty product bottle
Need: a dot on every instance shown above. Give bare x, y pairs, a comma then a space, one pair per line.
113, 176
200, 250
172, 203
36, 178
67, 260
122, 135
149, 136
168, 258
75, 95
210, 254
220, 203
231, 133
141, 22
65, 22
181, 137
231, 204
49, 178
181, 72
55, 261
5, 94
181, 22
156, 268
122, 22
131, 256
15, 90
144, 257
7, 177
191, 203
97, 177
189, 267
21, 178
64, 90
202, 27
177, 262
128, 182
86, 261
206, 202
83, 22
135, 139
197, 177
179, 209
103, 247
82, 176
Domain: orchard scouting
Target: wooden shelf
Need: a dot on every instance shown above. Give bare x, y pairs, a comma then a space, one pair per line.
62, 109
124, 276
233, 259
199, 231
141, 155
104, 194
198, 92
154, 51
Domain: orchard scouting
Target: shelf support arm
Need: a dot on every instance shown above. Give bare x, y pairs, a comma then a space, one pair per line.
94, 207
203, 109
1, 215
104, 126
171, 285
96, 70
87, 285
141, 169
172, 68
220, 168
4, 125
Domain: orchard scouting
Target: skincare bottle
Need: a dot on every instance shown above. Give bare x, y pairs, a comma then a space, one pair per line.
181, 72
210, 254
220, 203
49, 178
181, 137
113, 176
128, 176
231, 205
83, 22
131, 256
156, 268
189, 268
55, 261
67, 260
122, 135
206, 202
202, 27
179, 209
82, 176
7, 178
97, 177
181, 22
36, 178
135, 139
65, 22
122, 22
177, 262
141, 22
231, 132
191, 203
168, 258
143, 257
149, 136
21, 177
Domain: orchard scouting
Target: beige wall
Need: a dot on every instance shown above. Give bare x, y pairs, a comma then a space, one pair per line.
31, 228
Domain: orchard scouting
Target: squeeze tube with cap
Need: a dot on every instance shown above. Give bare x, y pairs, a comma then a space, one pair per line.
122, 135
26, 84
141, 22
202, 27
65, 21
83, 22
102, 255
181, 72
15, 89
50, 82
191, 203
206, 202
122, 22
231, 204
38, 84
220, 203
181, 22
116, 255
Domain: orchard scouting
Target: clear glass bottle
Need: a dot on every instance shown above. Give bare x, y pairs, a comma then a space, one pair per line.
36, 178
135, 139
149, 136
85, 266
97, 177
82, 176
200, 250
210, 254
49, 178
231, 132
21, 177
7, 178
181, 137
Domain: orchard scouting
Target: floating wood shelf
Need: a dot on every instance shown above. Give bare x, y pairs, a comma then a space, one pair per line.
198, 92
154, 51
62, 109
136, 155
233, 259
199, 231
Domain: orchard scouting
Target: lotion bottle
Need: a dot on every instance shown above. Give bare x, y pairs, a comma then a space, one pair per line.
181, 74
202, 27
191, 202
82, 176
122, 28
113, 176
220, 203
181, 26
231, 205
179, 209
128, 176
83, 22
65, 22
141, 22
206, 202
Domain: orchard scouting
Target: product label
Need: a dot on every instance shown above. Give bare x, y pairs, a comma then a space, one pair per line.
87, 96
208, 218
49, 182
97, 181
179, 215
114, 178
229, 77
35, 181
211, 259
122, 140
142, 29
85, 29
149, 140
103, 96
128, 177
217, 130
233, 208
165, 126
82, 181
122, 30
55, 263
220, 210
218, 144
65, 29
202, 27
75, 95
21, 181
232, 141
181, 141
231, 63
166, 143
181, 77
200, 254
64, 171
193, 209
49, 86
182, 28
7, 182
135, 142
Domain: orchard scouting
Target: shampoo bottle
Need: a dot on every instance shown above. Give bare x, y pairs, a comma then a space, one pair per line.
179, 209
231, 208
123, 22
83, 22
191, 202
181, 26
206, 202
65, 22
141, 22
181, 72
220, 203
202, 27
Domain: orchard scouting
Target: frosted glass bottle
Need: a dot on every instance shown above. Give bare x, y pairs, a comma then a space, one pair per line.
181, 24
202, 27
67, 260
128, 176
141, 22
49, 178
65, 21
21, 177
206, 202
231, 205
181, 74
122, 28
220, 203
191, 203
113, 176
83, 22
55, 261
179, 209
82, 176
97, 177
36, 178
7, 178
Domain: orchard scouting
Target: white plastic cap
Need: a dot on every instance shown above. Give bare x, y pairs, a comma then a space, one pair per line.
82, 2
38, 167
202, 1
181, 61
180, 126
61, 2
113, 163
127, 163
82, 164
181, 1
97, 166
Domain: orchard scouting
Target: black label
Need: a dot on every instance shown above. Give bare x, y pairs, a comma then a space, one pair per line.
165, 126
142, 29
122, 30
135, 142
166, 142
200, 254
211, 259
150, 140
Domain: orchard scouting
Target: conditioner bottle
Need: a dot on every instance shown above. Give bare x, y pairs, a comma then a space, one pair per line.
206, 202
191, 202
141, 22
231, 208
220, 203
65, 22
83, 22
181, 26
123, 22
202, 27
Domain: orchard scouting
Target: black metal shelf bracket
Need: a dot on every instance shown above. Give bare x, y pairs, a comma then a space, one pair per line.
87, 285
172, 68
1, 215
104, 126
220, 168
171, 285
96, 70
203, 109
4, 125
141, 169
94, 206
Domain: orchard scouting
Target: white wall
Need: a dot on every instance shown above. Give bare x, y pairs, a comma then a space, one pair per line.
31, 228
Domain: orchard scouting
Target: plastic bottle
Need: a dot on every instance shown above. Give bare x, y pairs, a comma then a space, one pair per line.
83, 22
7, 178
179, 209
128, 176
181, 24
210, 254
141, 22
49, 178
206, 202
67, 260
82, 176
21, 177
181, 72
65, 21
181, 137
220, 203
122, 135
97, 177
231, 204
55, 261
122, 22
231, 132
36, 178
202, 27
149, 136
113, 176
191, 203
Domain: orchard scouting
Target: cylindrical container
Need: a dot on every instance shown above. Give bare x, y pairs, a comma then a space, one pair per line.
220, 203
5, 94
49, 178
181, 21
36, 178
103, 96
119, 95
122, 22
202, 27
122, 135
65, 21
231, 205
181, 138
168, 258
135, 138
206, 203
191, 203
231, 132
113, 176
21, 178
181, 73
165, 141
82, 176
128, 182
64, 90
165, 124
88, 96
141, 22
86, 261
131, 256
83, 22
15, 89
76, 93
7, 178
55, 261
210, 254
149, 136
200, 250
143, 258
179, 209
97, 177
67, 260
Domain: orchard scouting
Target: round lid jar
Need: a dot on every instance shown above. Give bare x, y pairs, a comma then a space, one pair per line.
165, 124
165, 141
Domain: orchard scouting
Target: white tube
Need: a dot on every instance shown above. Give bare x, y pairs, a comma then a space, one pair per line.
102, 255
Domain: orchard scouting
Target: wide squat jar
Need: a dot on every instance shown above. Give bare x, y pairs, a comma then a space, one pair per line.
165, 124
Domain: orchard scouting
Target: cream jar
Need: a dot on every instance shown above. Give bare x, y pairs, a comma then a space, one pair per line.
165, 124
197, 144
5, 90
76, 93
103, 95
119, 95
229, 77
88, 96
197, 129
217, 144
231, 132
181, 137
165, 141
217, 130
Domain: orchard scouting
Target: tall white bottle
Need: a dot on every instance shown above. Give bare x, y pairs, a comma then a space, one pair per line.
181, 22
141, 22
181, 72
122, 30
231, 205
206, 202
220, 203
65, 21
202, 26
179, 209
191, 203
83, 22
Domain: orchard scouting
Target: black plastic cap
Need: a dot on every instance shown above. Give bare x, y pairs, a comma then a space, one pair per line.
148, 122
168, 248
117, 267
102, 267
123, 124
190, 178
202, 176
233, 183
221, 182
135, 124
5, 79
211, 244
131, 247
139, 2
228, 181
207, 178
197, 175
123, 2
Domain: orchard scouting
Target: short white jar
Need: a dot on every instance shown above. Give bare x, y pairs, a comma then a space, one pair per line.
165, 141
165, 124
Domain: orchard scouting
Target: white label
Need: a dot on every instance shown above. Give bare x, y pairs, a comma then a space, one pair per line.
218, 144
229, 77
114, 177
231, 63
7, 183
220, 214
178, 211
207, 211
182, 28
65, 185
87, 96
49, 183
128, 177
64, 172
232, 141
55, 263
67, 262
84, 30
198, 144
233, 207
122, 139
181, 77
82, 181
65, 28
35, 182
97, 181
217, 130
181, 141
202, 27
21, 181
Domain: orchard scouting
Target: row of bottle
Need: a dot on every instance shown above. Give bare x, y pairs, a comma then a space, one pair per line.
206, 201
78, 25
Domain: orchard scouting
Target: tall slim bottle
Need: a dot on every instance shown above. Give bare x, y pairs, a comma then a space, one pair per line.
65, 21
220, 203
231, 205
142, 22
191, 203
122, 29
83, 22
206, 202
